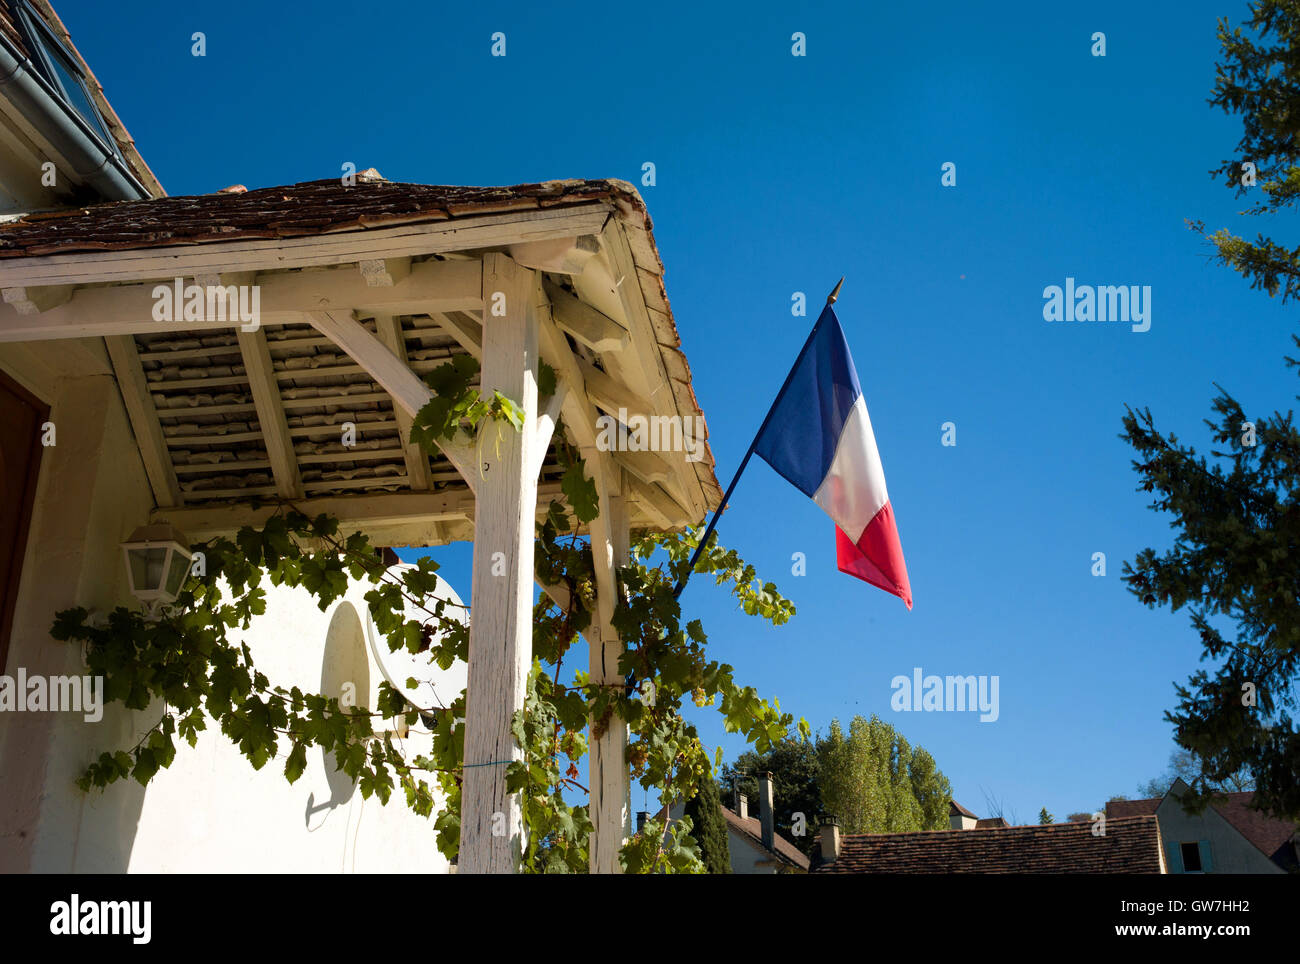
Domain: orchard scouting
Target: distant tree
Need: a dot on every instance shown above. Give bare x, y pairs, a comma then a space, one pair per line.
904, 809
996, 807
874, 781
793, 765
1184, 764
1044, 817
1233, 561
932, 790
1079, 818
709, 828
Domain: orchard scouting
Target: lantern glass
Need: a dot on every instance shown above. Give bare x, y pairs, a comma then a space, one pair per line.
178, 568
157, 562
146, 565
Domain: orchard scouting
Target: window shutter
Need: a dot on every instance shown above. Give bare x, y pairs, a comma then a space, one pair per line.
1207, 866
1173, 856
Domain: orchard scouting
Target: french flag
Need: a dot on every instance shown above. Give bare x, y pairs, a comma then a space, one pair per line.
818, 436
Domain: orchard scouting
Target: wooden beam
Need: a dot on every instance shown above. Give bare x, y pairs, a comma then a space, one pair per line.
579, 415
611, 810
643, 371
389, 330
283, 299
662, 508
388, 511
608, 393
144, 421
341, 247
558, 255
32, 301
467, 332
408, 390
560, 596
588, 326
384, 272
500, 646
270, 413
546, 422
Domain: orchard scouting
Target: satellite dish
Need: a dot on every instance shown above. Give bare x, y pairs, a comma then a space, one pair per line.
433, 685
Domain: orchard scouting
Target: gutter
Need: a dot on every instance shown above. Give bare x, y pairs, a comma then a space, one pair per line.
91, 161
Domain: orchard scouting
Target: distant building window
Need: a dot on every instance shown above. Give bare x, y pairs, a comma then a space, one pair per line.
57, 64
1191, 853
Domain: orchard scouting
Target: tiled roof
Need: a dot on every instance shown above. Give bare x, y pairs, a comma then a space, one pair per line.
990, 823
1270, 835
296, 210
782, 849
206, 372
1131, 845
955, 808
1131, 808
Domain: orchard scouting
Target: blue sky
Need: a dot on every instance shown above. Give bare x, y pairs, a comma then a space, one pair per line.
778, 174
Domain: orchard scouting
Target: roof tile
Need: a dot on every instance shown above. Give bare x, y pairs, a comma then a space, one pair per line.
1131, 845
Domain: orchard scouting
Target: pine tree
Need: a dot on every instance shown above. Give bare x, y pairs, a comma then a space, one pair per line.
1235, 561
1044, 817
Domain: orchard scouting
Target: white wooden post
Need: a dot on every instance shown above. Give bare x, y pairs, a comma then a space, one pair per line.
500, 648
611, 805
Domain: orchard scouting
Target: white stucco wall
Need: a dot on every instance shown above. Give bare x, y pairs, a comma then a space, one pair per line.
745, 857
210, 811
91, 491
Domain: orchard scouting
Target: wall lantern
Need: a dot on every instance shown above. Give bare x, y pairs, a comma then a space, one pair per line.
157, 561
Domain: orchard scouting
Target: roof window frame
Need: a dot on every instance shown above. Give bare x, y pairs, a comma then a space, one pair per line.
43, 44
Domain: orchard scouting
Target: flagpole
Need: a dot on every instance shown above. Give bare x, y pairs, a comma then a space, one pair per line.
704, 539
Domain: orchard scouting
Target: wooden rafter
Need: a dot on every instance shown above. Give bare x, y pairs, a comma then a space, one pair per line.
270, 413
644, 373
408, 390
580, 416
466, 332
587, 325
389, 330
144, 421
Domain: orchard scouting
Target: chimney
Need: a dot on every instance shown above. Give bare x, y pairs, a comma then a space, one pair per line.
742, 806
830, 838
641, 817
766, 818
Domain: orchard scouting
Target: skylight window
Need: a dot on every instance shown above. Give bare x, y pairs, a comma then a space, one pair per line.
61, 69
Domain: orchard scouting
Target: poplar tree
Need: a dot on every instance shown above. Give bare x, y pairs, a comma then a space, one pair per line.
875, 782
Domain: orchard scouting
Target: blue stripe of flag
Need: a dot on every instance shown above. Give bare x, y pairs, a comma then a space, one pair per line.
801, 432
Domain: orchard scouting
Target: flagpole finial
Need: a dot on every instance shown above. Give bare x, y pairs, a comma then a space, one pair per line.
830, 299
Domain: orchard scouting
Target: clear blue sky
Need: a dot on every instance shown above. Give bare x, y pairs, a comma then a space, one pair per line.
779, 174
